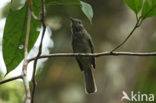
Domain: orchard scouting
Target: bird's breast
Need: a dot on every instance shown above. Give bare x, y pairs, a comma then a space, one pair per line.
81, 44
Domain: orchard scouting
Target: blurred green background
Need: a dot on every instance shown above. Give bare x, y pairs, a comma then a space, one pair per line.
61, 81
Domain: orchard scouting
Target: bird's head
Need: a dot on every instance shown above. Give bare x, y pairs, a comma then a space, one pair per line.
76, 24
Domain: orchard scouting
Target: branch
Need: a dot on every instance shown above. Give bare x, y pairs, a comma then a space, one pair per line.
25, 64
11, 79
39, 51
94, 54
138, 23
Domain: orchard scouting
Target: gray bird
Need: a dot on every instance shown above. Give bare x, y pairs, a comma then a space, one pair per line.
82, 43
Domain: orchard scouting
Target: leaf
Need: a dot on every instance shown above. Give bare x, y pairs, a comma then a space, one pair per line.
85, 7
87, 10
135, 5
63, 2
14, 36
149, 9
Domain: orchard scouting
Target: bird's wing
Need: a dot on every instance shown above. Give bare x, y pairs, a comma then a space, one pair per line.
81, 67
75, 49
92, 51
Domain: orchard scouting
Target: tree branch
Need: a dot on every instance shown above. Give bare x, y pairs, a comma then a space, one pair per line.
25, 64
83, 54
39, 51
11, 79
138, 23
94, 54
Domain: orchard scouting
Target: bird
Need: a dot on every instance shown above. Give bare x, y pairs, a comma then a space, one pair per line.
82, 43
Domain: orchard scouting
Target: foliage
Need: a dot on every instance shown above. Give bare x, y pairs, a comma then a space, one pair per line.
12, 92
15, 30
148, 8
135, 5
15, 34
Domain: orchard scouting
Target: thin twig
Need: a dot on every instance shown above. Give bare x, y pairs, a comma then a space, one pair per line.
29, 2
25, 64
138, 23
39, 52
34, 16
26, 82
11, 79
94, 54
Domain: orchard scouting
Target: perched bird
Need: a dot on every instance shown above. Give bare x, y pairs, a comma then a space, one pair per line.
82, 43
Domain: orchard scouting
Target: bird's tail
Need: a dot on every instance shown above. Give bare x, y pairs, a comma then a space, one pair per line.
90, 82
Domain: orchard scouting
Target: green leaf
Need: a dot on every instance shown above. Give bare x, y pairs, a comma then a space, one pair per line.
149, 9
63, 2
135, 5
87, 10
85, 7
15, 34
